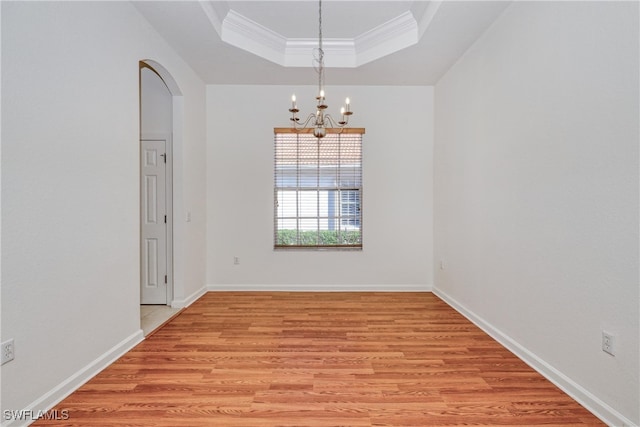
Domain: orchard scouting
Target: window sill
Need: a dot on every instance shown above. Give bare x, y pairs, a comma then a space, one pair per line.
318, 248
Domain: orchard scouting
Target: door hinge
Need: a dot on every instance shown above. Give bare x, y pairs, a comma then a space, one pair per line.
165, 278
165, 219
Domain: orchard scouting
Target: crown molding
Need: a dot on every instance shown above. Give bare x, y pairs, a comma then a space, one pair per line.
303, 52
427, 17
212, 16
390, 37
242, 32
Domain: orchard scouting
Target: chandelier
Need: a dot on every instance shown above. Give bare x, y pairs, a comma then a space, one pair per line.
320, 121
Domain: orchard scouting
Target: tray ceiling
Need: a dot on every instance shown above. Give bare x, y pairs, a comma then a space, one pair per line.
365, 42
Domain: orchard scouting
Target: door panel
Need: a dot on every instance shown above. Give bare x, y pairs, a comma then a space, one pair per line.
150, 195
152, 263
153, 224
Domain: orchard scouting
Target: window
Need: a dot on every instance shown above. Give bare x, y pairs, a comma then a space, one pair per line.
318, 189
350, 208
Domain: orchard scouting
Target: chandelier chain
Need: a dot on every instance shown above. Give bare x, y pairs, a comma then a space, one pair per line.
320, 49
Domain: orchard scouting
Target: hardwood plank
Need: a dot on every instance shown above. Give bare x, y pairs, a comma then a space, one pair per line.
319, 360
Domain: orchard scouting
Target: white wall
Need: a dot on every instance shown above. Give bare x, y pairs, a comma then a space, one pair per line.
397, 198
70, 173
156, 104
536, 193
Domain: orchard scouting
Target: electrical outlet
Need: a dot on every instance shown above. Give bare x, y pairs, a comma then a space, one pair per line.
8, 351
608, 343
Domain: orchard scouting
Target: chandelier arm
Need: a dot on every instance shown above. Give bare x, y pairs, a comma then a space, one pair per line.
336, 124
297, 125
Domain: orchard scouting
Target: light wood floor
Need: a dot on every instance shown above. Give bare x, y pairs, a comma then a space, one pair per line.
320, 359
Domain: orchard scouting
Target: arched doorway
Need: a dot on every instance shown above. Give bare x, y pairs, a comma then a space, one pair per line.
159, 113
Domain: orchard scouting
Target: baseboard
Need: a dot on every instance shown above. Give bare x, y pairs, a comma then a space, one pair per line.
320, 288
186, 302
587, 399
71, 384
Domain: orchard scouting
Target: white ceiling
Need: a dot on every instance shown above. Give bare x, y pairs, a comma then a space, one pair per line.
366, 42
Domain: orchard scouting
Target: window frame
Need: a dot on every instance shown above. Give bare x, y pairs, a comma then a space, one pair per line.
334, 191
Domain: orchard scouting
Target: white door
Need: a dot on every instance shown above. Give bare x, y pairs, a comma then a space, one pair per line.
154, 227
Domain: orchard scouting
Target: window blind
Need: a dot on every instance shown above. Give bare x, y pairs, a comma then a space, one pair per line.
318, 189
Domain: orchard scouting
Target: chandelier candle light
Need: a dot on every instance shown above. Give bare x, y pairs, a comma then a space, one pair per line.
320, 121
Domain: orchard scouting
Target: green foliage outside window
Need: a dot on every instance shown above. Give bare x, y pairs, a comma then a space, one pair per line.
322, 238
